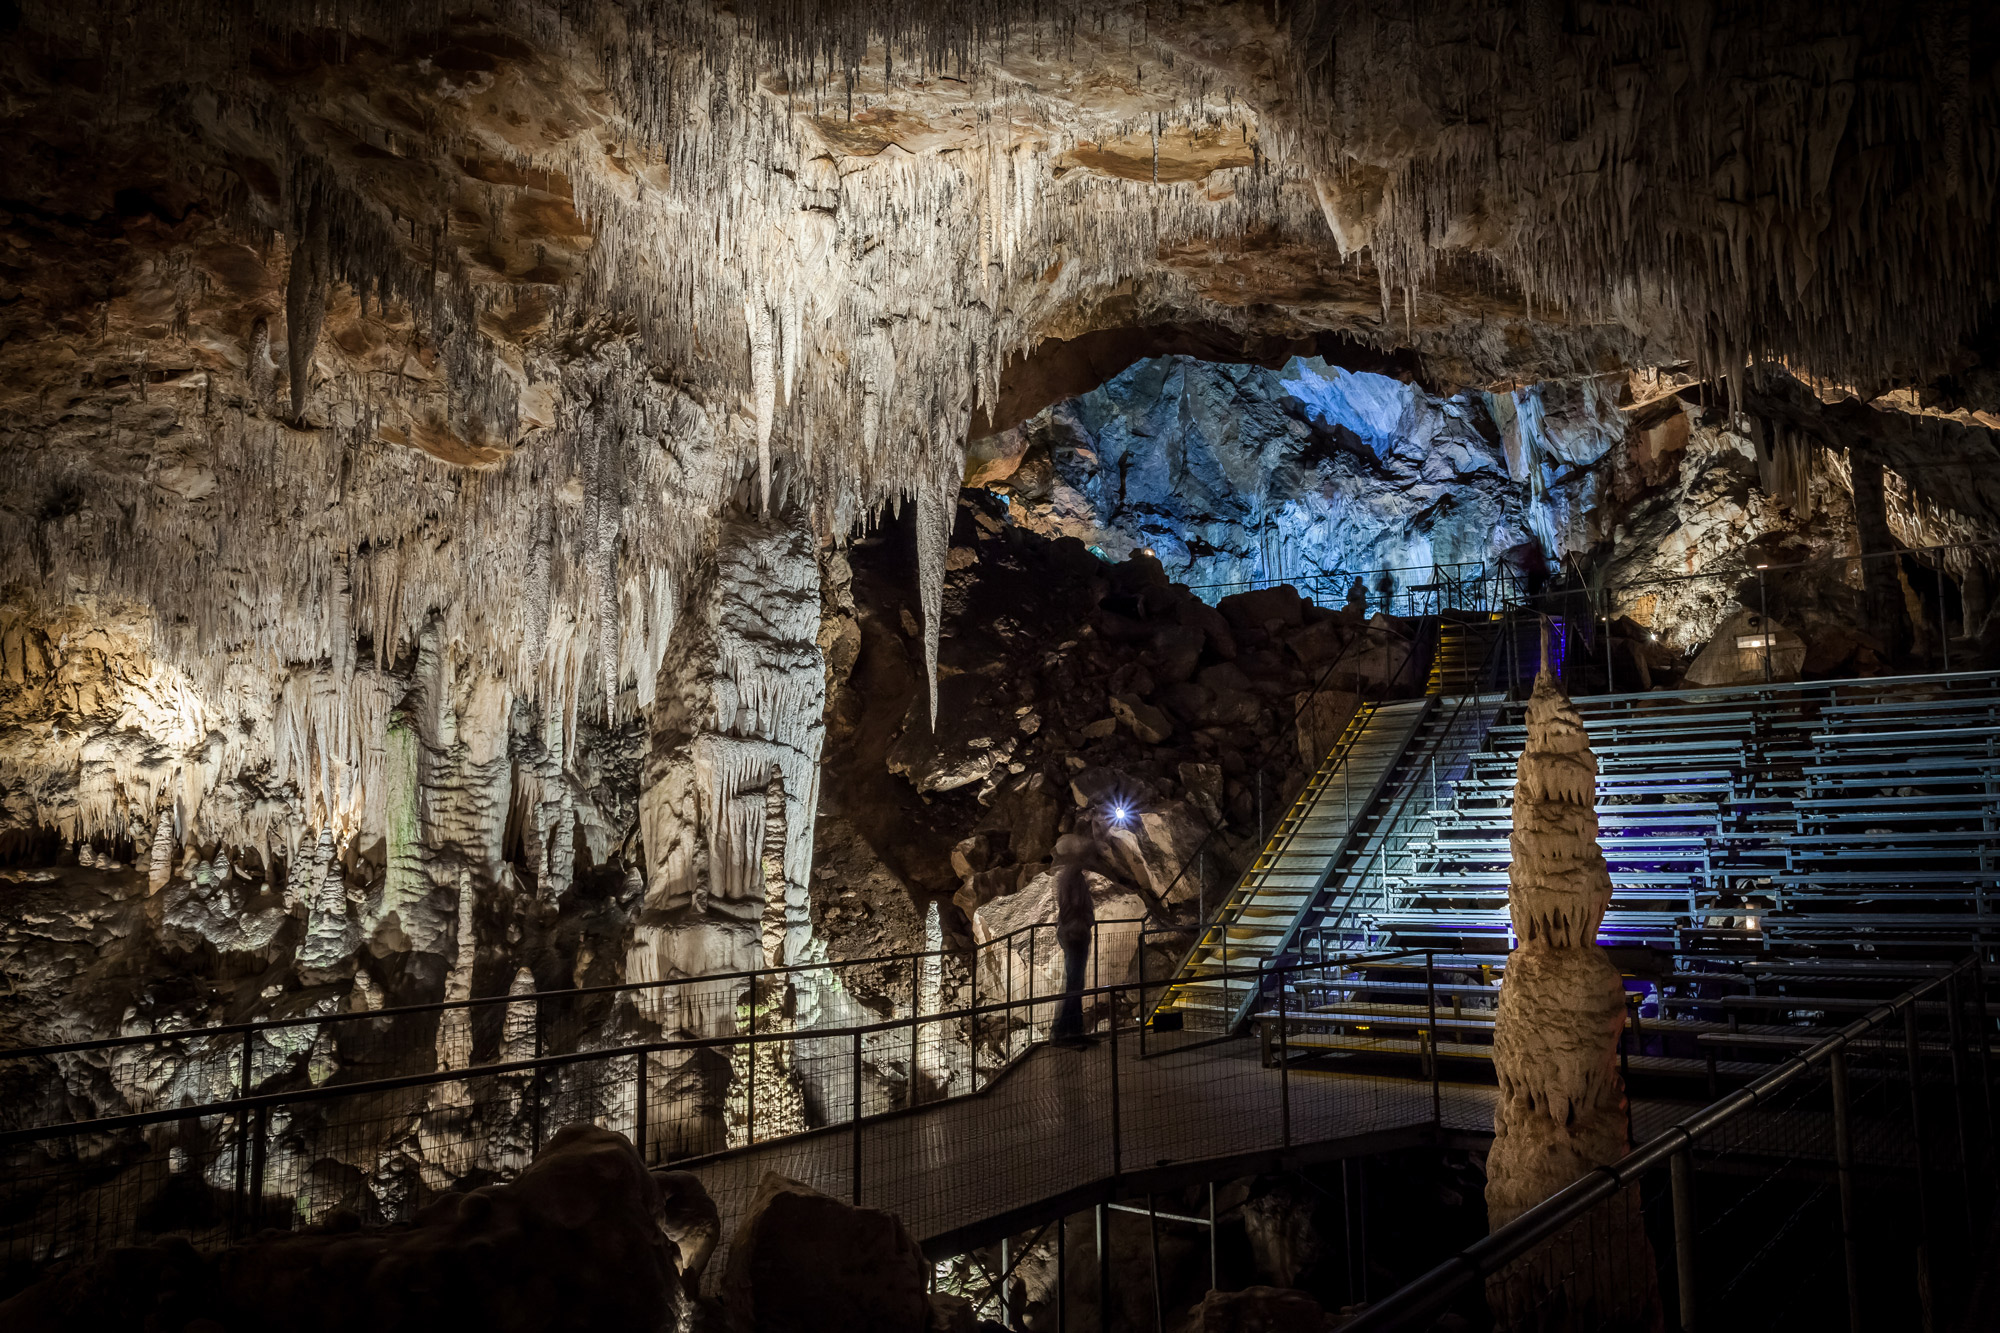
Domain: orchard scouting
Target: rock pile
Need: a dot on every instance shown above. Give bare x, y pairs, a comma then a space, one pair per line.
1068, 684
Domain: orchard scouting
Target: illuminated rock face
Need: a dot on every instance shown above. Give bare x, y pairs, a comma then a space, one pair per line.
1235, 472
1561, 1109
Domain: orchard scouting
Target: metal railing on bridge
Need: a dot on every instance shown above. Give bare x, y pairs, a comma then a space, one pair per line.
286, 1153
1850, 1184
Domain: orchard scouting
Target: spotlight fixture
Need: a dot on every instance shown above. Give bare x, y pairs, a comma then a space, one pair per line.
1121, 815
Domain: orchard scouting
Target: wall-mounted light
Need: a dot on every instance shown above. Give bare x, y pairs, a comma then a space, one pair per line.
1755, 641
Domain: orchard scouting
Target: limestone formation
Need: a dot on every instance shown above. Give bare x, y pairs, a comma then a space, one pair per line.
1561, 1109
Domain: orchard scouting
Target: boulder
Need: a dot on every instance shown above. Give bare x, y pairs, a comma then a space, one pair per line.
1317, 643
1321, 719
1148, 724
1197, 614
1231, 709
1255, 610
805, 1263
1736, 655
575, 1242
1176, 651
690, 1219
1029, 810
1257, 1310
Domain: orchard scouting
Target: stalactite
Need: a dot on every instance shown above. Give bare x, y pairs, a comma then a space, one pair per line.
305, 302
937, 508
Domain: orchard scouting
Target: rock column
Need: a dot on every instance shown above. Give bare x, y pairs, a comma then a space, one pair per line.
735, 740
1561, 1110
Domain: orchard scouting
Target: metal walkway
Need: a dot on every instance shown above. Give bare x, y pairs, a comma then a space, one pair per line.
1058, 1133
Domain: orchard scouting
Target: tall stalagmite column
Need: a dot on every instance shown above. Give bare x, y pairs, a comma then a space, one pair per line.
1561, 1109
734, 746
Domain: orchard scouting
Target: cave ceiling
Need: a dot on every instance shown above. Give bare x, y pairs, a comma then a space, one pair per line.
322, 324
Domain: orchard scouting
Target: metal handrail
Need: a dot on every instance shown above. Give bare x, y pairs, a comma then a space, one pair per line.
527, 997
1427, 1295
336, 1091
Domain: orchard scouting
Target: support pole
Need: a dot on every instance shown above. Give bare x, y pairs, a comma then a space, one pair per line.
1214, 1264
1153, 1235
1103, 1267
1006, 1280
916, 1025
1062, 1274
750, 1083
1843, 1157
1957, 1032
1684, 1236
1923, 1167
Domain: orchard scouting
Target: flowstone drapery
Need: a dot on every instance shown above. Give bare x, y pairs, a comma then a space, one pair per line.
1561, 1109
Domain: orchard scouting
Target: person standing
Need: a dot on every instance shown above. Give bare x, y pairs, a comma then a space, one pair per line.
1077, 854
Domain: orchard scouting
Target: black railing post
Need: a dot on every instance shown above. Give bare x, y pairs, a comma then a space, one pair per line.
972, 1023
1985, 1055
1430, 990
1681, 1171
535, 1090
1843, 1159
1923, 1171
1117, 1130
855, 1117
639, 1135
1031, 981
750, 1083
1008, 1028
260, 1127
1284, 1063
237, 1203
1143, 1014
916, 1021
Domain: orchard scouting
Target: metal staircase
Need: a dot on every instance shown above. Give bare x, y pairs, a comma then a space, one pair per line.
1303, 854
1357, 828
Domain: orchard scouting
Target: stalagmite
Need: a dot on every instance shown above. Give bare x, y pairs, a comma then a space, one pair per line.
1561, 1108
517, 1037
454, 1036
160, 869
